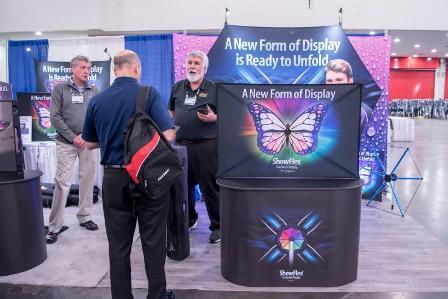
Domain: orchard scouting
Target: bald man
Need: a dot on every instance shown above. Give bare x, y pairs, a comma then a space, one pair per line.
106, 118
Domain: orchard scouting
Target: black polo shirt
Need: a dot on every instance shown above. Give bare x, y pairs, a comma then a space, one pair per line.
185, 102
108, 114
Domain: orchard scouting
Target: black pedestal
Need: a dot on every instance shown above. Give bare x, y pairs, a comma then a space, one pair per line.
22, 244
285, 232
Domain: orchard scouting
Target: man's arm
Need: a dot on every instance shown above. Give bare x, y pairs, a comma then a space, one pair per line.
56, 114
89, 130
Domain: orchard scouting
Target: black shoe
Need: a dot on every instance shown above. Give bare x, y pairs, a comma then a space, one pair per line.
170, 295
215, 236
51, 237
90, 225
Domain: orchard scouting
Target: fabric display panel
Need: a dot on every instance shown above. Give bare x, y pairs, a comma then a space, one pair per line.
368, 56
302, 131
35, 107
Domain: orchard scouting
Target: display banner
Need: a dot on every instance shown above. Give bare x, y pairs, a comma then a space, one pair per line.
303, 131
49, 73
37, 106
5, 91
309, 56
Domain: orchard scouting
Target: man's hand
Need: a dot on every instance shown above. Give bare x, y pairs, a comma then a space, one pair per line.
79, 142
210, 117
170, 135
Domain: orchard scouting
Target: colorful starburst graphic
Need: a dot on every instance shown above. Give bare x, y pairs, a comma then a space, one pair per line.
291, 240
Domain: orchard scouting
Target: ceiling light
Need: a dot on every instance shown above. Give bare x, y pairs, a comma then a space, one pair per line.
446, 54
429, 58
28, 49
372, 32
415, 55
38, 33
394, 54
416, 46
396, 40
433, 50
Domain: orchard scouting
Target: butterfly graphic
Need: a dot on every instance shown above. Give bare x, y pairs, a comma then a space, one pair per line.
43, 113
274, 134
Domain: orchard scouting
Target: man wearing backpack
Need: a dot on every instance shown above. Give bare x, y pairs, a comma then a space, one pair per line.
193, 106
106, 119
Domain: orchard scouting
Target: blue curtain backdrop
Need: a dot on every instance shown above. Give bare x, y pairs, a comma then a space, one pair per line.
156, 54
22, 75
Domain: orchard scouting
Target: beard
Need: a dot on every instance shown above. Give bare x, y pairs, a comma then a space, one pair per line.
193, 77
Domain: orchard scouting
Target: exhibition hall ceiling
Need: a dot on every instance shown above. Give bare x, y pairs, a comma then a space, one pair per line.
432, 43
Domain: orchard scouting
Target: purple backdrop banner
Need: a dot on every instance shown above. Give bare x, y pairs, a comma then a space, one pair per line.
183, 44
375, 54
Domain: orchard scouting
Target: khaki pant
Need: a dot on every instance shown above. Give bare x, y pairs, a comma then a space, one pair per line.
66, 155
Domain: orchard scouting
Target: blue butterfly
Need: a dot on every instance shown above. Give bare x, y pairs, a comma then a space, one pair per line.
273, 133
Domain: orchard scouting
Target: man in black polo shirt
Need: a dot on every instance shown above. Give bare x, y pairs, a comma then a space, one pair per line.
106, 118
193, 106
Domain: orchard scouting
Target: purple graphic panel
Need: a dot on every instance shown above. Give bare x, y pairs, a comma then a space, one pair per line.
375, 53
183, 44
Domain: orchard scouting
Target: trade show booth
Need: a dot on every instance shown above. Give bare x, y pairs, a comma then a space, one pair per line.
290, 189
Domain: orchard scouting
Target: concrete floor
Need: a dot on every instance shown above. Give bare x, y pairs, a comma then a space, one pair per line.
399, 257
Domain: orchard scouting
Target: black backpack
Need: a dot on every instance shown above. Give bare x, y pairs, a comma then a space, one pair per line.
149, 159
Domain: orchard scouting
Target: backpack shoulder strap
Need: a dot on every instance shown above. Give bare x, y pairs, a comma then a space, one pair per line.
142, 98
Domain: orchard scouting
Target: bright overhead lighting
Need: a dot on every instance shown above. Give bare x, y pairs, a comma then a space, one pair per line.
429, 58
416, 46
28, 49
446, 54
394, 54
396, 40
433, 50
38, 33
415, 55
372, 32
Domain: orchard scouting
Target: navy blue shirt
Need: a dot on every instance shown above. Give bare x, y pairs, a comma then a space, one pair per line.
108, 114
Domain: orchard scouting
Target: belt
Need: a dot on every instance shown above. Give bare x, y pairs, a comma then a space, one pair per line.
186, 141
113, 166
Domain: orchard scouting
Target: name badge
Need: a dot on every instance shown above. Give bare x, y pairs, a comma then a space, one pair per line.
190, 101
77, 99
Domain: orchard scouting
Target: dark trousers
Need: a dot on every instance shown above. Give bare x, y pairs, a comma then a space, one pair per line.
121, 211
202, 168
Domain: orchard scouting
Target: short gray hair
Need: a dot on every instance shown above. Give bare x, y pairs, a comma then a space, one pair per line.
202, 55
76, 59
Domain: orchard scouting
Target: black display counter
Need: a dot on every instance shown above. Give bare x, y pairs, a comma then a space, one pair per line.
22, 236
290, 232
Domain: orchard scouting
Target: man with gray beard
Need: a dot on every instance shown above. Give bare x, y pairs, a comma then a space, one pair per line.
192, 104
